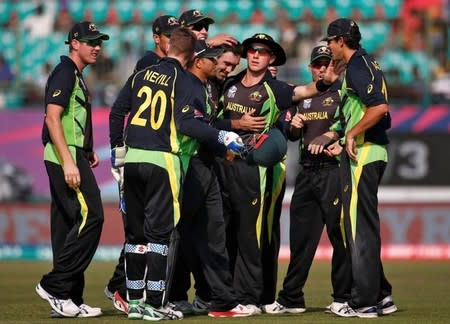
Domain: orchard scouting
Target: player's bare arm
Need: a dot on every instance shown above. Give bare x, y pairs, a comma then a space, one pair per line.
372, 116
53, 122
319, 144
330, 75
221, 39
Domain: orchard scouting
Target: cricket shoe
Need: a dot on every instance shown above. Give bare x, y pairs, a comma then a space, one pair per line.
183, 306
64, 307
342, 309
120, 303
88, 311
277, 308
328, 309
161, 313
85, 311
386, 306
367, 312
199, 306
256, 310
108, 293
135, 309
238, 311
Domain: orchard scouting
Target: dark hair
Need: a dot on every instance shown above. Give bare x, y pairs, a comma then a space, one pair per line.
235, 49
182, 42
352, 40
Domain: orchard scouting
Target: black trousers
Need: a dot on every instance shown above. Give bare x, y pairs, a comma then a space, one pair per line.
362, 229
202, 237
76, 226
251, 219
315, 203
152, 208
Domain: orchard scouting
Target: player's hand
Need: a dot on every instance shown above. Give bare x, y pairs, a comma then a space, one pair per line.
118, 156
350, 148
232, 141
94, 161
318, 144
298, 121
332, 72
334, 149
229, 156
249, 122
71, 175
222, 39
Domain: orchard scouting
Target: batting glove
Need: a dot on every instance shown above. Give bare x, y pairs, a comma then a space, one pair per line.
118, 156
232, 141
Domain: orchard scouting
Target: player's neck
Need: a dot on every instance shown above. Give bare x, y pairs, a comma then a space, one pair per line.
252, 77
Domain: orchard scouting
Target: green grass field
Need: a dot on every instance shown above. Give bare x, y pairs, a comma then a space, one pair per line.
421, 291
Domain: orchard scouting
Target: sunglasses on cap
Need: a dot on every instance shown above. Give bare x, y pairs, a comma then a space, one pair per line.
92, 42
199, 26
319, 64
260, 50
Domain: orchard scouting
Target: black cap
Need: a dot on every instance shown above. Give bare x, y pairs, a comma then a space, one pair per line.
269, 149
85, 31
342, 27
203, 50
193, 16
265, 39
165, 25
320, 52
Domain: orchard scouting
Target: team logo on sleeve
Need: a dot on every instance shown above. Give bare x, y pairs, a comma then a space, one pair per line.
328, 101
231, 92
56, 93
185, 109
307, 103
255, 96
369, 88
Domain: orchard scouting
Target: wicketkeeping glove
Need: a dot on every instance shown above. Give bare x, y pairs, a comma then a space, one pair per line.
118, 156
232, 141
118, 161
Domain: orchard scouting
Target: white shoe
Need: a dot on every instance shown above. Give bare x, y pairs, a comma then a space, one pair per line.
135, 309
342, 309
163, 312
277, 308
64, 307
328, 309
367, 312
255, 309
386, 306
238, 311
88, 311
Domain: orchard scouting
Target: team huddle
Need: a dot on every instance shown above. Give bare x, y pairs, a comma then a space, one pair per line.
198, 156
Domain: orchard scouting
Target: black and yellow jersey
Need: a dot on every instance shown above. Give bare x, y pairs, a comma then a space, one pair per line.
159, 101
364, 86
269, 97
65, 87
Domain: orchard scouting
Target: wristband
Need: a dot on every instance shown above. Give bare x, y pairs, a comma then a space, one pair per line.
321, 86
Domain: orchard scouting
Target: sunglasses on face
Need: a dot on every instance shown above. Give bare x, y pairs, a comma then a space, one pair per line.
259, 50
318, 65
93, 42
199, 26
